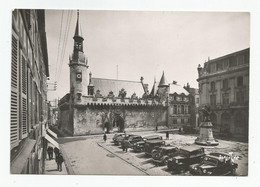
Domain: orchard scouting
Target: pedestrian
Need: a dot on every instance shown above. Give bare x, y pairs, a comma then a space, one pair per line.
156, 128
50, 152
59, 161
105, 137
56, 151
167, 135
123, 145
126, 146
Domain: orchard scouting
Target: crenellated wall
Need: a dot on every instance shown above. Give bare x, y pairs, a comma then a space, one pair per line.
93, 119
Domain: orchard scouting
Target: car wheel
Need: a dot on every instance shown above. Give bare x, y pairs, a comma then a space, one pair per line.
165, 161
153, 151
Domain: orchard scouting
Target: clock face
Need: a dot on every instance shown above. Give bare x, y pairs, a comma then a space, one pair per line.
79, 77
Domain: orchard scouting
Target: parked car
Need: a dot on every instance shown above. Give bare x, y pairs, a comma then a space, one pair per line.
121, 137
162, 155
139, 146
185, 157
151, 146
131, 140
215, 164
116, 135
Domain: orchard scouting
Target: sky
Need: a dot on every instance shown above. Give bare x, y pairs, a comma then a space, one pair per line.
143, 43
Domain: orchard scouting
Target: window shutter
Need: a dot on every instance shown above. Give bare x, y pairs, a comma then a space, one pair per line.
14, 127
23, 97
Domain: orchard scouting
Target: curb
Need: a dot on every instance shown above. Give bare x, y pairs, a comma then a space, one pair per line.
123, 159
67, 163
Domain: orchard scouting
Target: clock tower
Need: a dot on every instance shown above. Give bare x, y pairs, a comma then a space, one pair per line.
78, 66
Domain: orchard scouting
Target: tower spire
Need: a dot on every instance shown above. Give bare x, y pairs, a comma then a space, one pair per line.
77, 30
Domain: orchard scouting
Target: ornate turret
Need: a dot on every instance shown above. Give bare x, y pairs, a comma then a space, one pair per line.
163, 88
163, 82
78, 66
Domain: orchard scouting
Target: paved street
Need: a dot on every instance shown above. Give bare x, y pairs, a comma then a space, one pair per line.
90, 155
86, 157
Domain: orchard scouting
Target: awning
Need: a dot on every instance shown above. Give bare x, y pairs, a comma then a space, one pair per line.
52, 141
18, 164
52, 133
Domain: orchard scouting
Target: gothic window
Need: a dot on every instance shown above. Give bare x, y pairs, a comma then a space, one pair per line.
240, 81
182, 109
174, 109
212, 86
179, 109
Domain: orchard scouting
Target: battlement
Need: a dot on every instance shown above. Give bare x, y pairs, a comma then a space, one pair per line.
116, 101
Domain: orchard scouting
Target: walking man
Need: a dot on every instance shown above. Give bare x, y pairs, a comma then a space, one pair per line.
59, 160
105, 137
56, 151
123, 145
50, 152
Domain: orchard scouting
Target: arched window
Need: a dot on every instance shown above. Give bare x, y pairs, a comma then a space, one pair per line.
174, 109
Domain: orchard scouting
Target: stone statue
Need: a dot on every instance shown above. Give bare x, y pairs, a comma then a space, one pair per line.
206, 113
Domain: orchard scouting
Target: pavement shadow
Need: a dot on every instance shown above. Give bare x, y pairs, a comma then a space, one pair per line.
142, 155
49, 170
149, 161
120, 152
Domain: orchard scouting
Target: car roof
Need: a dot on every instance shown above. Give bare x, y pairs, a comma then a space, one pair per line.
190, 148
154, 141
214, 157
151, 136
168, 147
135, 136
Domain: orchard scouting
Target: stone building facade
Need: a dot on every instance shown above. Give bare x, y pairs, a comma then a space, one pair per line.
224, 86
95, 105
194, 105
29, 109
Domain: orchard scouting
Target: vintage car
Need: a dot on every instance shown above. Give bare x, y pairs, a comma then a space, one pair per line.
116, 135
215, 164
185, 157
120, 138
131, 140
163, 153
139, 146
151, 146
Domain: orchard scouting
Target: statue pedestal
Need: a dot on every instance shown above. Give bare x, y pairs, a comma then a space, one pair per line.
206, 135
